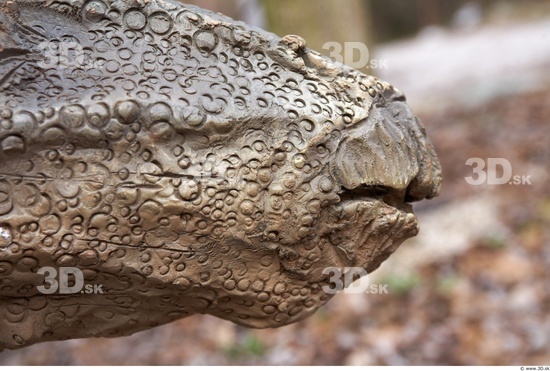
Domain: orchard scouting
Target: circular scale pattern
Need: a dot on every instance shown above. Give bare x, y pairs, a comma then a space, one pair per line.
188, 163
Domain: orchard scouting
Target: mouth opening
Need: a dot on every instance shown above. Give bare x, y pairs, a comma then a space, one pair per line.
389, 196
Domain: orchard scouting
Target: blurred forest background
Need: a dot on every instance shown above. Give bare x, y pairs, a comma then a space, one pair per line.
474, 287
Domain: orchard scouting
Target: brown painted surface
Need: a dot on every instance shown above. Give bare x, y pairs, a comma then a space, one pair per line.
185, 163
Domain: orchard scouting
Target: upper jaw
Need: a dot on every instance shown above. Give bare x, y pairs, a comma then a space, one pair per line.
388, 157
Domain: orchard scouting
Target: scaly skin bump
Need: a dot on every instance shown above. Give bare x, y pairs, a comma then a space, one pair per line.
188, 163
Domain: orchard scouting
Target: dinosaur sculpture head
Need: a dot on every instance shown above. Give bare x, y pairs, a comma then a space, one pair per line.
187, 163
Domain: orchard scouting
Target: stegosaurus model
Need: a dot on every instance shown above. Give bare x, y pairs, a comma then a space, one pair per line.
186, 163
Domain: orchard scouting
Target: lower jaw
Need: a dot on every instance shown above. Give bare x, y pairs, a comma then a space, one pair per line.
374, 229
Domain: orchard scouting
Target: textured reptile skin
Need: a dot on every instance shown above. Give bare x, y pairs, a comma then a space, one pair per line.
188, 163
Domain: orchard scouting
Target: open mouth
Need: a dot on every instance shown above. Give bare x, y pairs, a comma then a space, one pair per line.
389, 196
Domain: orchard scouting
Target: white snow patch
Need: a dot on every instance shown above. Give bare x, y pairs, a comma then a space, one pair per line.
469, 67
